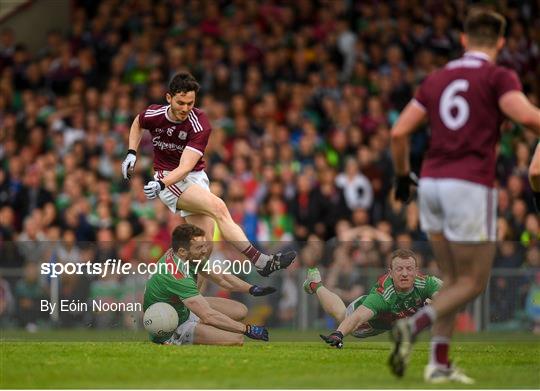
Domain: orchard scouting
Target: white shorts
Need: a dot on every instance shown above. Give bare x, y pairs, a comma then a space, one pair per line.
185, 333
463, 211
170, 195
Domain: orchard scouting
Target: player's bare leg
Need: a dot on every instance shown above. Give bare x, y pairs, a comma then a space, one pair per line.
330, 302
206, 223
209, 335
201, 201
443, 327
439, 369
472, 262
232, 308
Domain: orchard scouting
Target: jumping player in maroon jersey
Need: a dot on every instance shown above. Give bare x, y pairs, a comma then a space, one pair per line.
180, 133
464, 103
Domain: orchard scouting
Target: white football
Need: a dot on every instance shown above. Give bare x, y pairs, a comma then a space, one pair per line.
160, 319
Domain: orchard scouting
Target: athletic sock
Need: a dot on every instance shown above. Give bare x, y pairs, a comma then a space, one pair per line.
422, 320
256, 257
439, 351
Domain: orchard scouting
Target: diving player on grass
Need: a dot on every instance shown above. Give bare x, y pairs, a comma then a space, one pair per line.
201, 320
397, 294
180, 134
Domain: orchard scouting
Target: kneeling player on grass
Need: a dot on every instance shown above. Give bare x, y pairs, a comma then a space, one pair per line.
397, 294
204, 321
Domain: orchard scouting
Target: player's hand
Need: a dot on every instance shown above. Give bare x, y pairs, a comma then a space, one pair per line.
152, 189
256, 332
334, 339
256, 290
403, 186
536, 201
128, 165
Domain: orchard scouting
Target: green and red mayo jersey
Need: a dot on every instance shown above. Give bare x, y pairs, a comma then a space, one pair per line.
388, 304
171, 284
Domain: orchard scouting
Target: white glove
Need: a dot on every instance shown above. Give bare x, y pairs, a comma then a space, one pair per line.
128, 165
152, 189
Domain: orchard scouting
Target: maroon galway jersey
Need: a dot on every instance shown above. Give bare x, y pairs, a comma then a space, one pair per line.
170, 138
462, 104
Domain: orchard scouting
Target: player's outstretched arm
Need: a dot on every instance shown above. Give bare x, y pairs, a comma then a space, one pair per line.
200, 307
135, 135
360, 316
187, 162
410, 118
515, 105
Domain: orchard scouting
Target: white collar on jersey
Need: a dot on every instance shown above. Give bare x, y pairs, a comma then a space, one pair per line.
169, 118
477, 54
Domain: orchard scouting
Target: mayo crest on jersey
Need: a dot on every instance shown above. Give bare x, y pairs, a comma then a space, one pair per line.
170, 138
462, 105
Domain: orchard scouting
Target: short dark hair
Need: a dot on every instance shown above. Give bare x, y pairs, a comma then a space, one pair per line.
484, 27
183, 235
183, 82
403, 253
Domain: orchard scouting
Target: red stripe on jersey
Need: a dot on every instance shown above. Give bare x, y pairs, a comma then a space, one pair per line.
178, 192
381, 281
171, 266
173, 189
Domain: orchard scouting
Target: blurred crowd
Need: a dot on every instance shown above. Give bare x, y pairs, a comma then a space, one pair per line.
301, 96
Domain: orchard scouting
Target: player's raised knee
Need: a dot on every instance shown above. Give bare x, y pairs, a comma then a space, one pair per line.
240, 312
219, 209
471, 285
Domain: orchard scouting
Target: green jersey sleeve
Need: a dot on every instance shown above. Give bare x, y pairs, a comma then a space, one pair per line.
375, 303
184, 288
433, 284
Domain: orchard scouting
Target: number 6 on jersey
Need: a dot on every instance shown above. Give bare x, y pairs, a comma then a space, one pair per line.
450, 101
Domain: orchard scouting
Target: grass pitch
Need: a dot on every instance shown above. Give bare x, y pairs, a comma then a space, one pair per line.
91, 359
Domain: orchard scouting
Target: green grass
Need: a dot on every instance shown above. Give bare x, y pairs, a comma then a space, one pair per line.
60, 359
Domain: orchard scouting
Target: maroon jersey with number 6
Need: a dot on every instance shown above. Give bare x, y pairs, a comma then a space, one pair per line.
461, 101
170, 138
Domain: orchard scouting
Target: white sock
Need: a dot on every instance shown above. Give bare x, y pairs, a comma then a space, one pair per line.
262, 261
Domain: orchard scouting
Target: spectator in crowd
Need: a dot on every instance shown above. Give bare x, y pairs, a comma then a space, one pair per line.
356, 187
29, 291
6, 301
